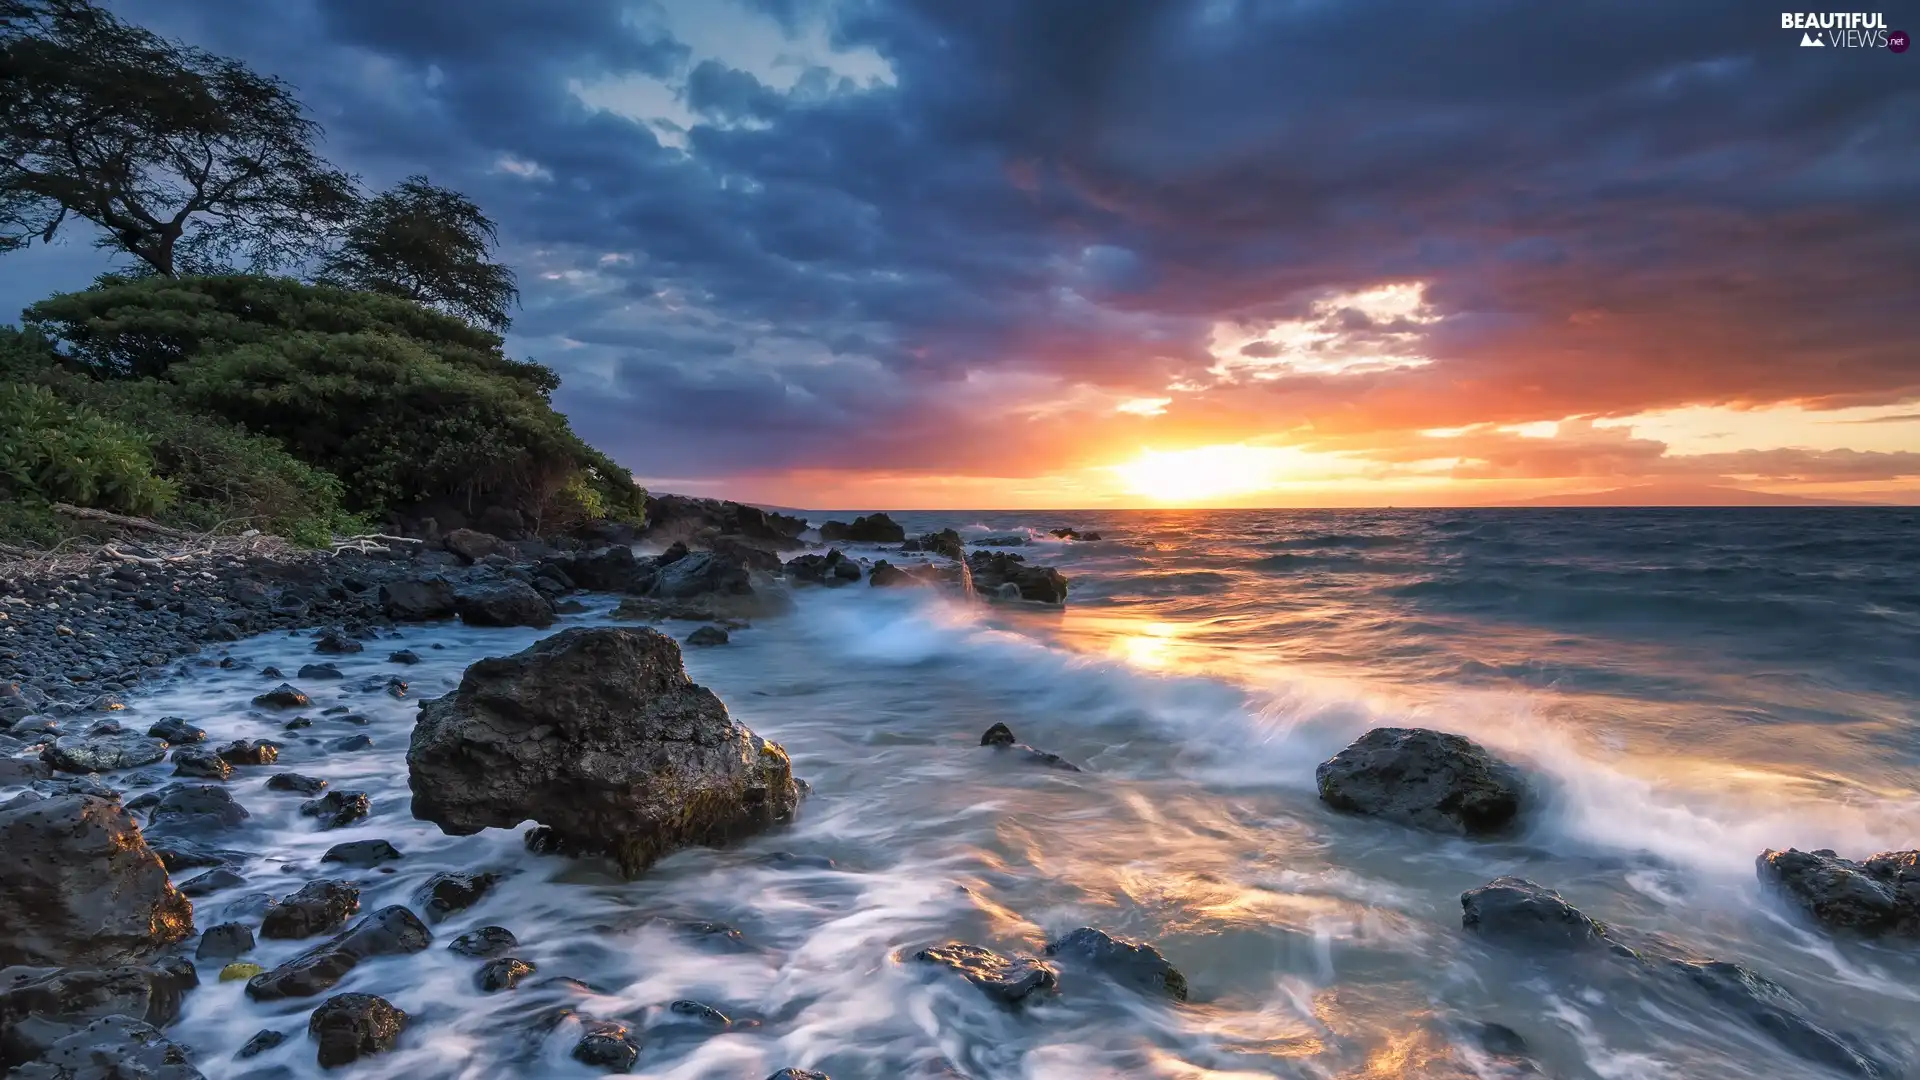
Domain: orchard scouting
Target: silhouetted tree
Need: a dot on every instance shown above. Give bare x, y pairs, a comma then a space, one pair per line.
429, 245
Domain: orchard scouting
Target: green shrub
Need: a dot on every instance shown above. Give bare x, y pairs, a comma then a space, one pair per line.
54, 452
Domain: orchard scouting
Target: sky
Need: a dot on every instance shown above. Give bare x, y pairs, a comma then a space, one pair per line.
1089, 253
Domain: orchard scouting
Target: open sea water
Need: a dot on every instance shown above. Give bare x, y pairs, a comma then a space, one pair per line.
1686, 688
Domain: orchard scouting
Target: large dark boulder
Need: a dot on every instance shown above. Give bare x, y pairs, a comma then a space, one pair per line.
1514, 911
1006, 979
945, 542
103, 753
1880, 896
418, 600
833, 568
599, 735
607, 569
870, 529
39, 1007
1427, 779
81, 885
472, 545
672, 517
506, 603
1134, 962
1001, 575
702, 573
112, 1048
349, 1027
754, 555
194, 808
318, 907
391, 931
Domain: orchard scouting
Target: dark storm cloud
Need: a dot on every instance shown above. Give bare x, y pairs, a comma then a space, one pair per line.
1617, 206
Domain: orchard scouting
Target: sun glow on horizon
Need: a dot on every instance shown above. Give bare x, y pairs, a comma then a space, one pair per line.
1213, 472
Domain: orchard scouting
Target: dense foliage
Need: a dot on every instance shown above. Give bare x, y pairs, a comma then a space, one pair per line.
429, 245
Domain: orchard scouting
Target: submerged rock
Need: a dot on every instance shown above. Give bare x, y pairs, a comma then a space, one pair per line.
256, 752
608, 1045
263, 1040
503, 973
284, 696
81, 885
486, 941
1006, 979
799, 1074
707, 635
295, 782
349, 1027
1427, 779
1001, 737
224, 942
362, 853
1517, 911
337, 808
319, 907
188, 807
176, 731
201, 762
1880, 896
40, 1007
103, 753
867, 529
391, 931
1130, 961
112, 1048
447, 893
599, 735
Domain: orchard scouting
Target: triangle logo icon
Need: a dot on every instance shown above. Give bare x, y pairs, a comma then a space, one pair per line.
1809, 41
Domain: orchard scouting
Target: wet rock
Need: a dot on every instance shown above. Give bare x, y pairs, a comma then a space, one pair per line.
112, 1048
447, 893
608, 1045
885, 575
213, 881
799, 1074
81, 885
419, 600
224, 942
337, 808
362, 854
701, 1013
177, 854
1517, 911
23, 771
1001, 540
284, 696
257, 752
239, 971
192, 807
320, 672
993, 571
868, 529
608, 569
201, 762
319, 907
473, 546
177, 731
1427, 779
335, 643
348, 744
1008, 980
945, 542
103, 753
1133, 962
748, 553
391, 931
403, 656
263, 1040
89, 784
39, 1007
701, 573
1880, 896
486, 941
1001, 737
503, 973
349, 1027
1766, 1005
508, 603
295, 782
998, 735
833, 568
599, 735
707, 635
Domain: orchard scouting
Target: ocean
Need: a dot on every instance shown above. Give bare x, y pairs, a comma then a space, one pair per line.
1685, 688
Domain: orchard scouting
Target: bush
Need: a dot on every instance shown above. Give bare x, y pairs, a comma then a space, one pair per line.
54, 452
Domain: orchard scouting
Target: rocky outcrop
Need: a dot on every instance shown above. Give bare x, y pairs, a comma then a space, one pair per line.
868, 529
683, 517
418, 600
754, 555
349, 1027
885, 575
609, 569
1006, 979
472, 546
1880, 896
40, 1007
103, 753
1132, 962
1427, 779
945, 542
833, 568
598, 735
391, 931
507, 603
995, 571
1516, 911
112, 1048
708, 636
701, 573
81, 885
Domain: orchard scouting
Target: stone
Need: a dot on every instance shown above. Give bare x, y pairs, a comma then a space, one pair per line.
509, 603
747, 553
706, 636
699, 1012
486, 941
319, 907
608, 1045
263, 1040
240, 971
215, 880
39, 1007
945, 542
200, 762
444, 894
348, 1027
597, 734
833, 569
1133, 962
1006, 979
391, 931
1001, 738
81, 886
473, 546
348, 744
867, 529
103, 753
1878, 897
404, 656
799, 1074
335, 643
320, 672
419, 600
112, 1048
993, 571
225, 941
176, 731
701, 573
1517, 911
337, 808
295, 782
885, 575
362, 854
1426, 779
190, 807
256, 752
284, 696
503, 973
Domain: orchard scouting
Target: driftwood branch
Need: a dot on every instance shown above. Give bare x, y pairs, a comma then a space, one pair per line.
155, 560
89, 514
14, 552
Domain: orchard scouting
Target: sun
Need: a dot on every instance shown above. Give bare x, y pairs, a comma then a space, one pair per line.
1199, 475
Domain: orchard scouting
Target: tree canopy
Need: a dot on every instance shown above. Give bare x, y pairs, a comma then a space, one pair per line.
429, 245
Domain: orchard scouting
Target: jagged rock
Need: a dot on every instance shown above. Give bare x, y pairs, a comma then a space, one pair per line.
215, 880
945, 542
745, 552
295, 782
335, 643
683, 516
1130, 961
224, 942
447, 893
112, 1048
243, 752
993, 570
799, 1074
702, 1013
391, 931
419, 600
1880, 896
597, 734
190, 807
39, 1007
473, 546
508, 603
403, 656
707, 635
833, 568
701, 573
336, 809
1008, 980
103, 753
263, 1040
1000, 737
201, 762
1517, 911
362, 854
81, 885
176, 731
869, 529
284, 696
320, 672
1427, 779
608, 1045
609, 569
503, 973
486, 941
349, 1027
1001, 540
319, 907
885, 575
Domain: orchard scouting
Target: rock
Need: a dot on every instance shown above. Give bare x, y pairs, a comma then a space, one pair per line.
242, 752
707, 635
486, 941
670, 516
349, 1027
993, 570
1001, 540
473, 546
81, 886
608, 1045
391, 931
597, 734
886, 575
39, 1007
112, 1048
362, 853
799, 1074
509, 603
239, 971
869, 529
337, 808
447, 893
284, 696
225, 941
1770, 1007
14, 771
608, 569
335, 643
320, 672
503, 973
293, 781
1517, 911
1008, 980
1427, 779
418, 600
177, 854
1134, 962
701, 573
263, 1040
945, 542
176, 731
404, 656
103, 753
348, 744
704, 1014
1000, 737
188, 807
745, 552
833, 568
319, 907
215, 880
201, 762
1880, 896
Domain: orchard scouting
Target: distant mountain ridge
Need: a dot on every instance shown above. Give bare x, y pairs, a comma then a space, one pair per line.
1681, 495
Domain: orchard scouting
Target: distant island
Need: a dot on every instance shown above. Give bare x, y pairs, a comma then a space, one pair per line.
1679, 495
